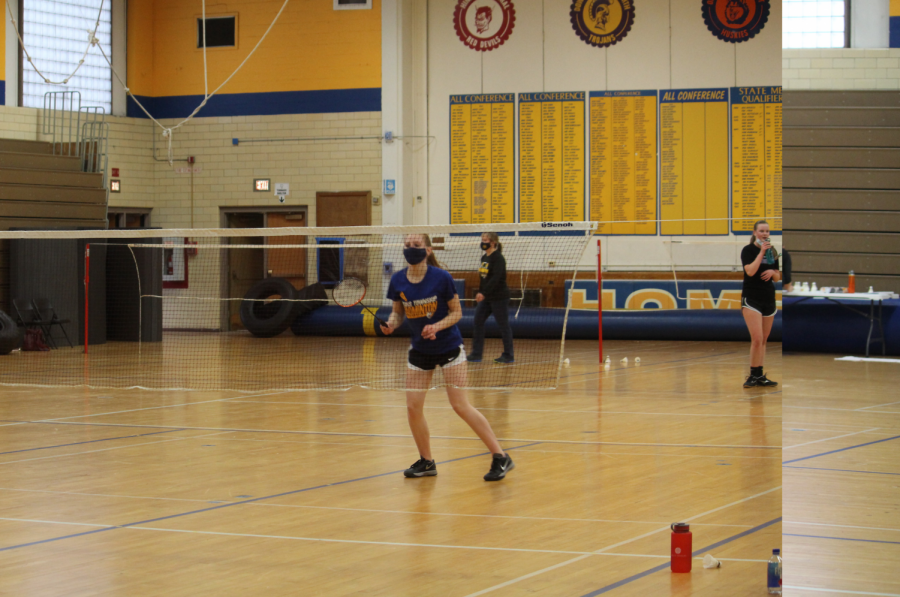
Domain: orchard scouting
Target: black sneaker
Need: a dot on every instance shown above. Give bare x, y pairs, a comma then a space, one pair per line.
500, 465
504, 360
751, 382
421, 468
763, 382
472, 358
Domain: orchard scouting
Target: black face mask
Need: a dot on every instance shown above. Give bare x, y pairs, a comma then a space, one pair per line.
485, 246
414, 255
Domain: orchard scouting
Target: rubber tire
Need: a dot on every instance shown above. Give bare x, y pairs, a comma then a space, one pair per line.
266, 320
10, 334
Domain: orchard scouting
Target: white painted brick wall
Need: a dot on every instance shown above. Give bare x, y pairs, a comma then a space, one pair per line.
841, 69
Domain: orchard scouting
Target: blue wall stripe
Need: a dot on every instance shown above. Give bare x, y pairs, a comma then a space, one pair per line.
248, 501
841, 450
2, 93
260, 104
696, 553
895, 32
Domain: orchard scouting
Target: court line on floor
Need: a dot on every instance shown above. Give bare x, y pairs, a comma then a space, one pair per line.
879, 441
230, 504
841, 538
93, 441
840, 526
619, 544
399, 435
828, 439
840, 470
877, 405
661, 567
841, 591
530, 410
177, 439
361, 542
370, 510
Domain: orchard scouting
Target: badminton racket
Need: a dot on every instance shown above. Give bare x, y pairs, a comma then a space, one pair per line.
351, 292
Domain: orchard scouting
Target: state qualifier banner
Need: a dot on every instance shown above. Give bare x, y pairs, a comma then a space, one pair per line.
623, 161
694, 161
482, 159
755, 157
551, 157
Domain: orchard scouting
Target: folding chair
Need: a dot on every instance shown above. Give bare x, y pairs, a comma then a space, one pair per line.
47, 316
28, 317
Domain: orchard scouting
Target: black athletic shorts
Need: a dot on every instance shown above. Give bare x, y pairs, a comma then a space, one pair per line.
421, 361
765, 307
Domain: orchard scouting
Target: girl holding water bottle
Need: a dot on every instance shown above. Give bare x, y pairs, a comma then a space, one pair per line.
760, 261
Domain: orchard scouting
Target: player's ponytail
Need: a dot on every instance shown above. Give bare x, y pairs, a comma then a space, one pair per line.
432, 260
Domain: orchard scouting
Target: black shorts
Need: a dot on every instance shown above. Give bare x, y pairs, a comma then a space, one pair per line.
420, 361
765, 307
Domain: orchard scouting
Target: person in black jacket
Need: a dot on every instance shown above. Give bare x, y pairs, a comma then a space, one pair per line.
758, 305
492, 298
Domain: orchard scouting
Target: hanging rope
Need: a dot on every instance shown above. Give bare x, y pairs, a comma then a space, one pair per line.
167, 132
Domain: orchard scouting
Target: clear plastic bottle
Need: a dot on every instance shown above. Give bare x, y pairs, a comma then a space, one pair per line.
773, 580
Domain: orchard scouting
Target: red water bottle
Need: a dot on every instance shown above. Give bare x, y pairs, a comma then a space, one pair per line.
681, 547
851, 282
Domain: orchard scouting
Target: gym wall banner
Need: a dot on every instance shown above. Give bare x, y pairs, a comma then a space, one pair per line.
602, 23
484, 25
735, 20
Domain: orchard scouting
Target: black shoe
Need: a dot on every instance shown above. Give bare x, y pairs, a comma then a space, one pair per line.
504, 360
751, 382
500, 465
472, 358
421, 468
763, 382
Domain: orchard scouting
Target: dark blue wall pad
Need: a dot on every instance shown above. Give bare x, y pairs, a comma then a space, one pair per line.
2, 93
818, 325
260, 104
895, 32
681, 324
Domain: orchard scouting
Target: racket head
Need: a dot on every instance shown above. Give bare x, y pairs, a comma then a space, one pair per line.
349, 292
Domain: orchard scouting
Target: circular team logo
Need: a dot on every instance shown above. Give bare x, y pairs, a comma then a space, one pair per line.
735, 20
484, 24
602, 23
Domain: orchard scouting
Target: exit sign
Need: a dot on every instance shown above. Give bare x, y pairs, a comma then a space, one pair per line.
261, 185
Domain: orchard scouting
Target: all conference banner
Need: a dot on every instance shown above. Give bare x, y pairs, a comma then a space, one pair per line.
482, 159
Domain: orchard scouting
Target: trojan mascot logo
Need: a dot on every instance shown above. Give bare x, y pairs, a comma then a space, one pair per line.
602, 23
735, 20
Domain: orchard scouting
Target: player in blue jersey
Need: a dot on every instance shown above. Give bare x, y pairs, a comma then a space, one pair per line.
424, 294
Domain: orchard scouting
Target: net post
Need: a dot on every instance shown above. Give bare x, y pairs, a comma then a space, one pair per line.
87, 284
599, 302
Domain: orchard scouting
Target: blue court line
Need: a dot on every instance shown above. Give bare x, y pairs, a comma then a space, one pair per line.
841, 538
230, 504
839, 470
343, 434
106, 439
697, 552
841, 450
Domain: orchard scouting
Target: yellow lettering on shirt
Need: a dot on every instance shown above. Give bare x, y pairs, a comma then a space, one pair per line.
420, 308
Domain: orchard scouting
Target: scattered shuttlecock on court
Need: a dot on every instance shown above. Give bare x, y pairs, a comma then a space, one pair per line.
566, 363
625, 360
606, 367
608, 359
709, 561
637, 359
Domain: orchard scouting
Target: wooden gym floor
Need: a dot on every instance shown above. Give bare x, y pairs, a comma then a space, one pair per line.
137, 493
841, 477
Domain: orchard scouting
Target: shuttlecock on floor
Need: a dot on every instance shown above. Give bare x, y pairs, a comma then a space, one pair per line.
625, 360
566, 363
709, 561
637, 359
608, 360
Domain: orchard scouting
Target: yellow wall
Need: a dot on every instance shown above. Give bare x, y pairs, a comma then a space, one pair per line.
312, 47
